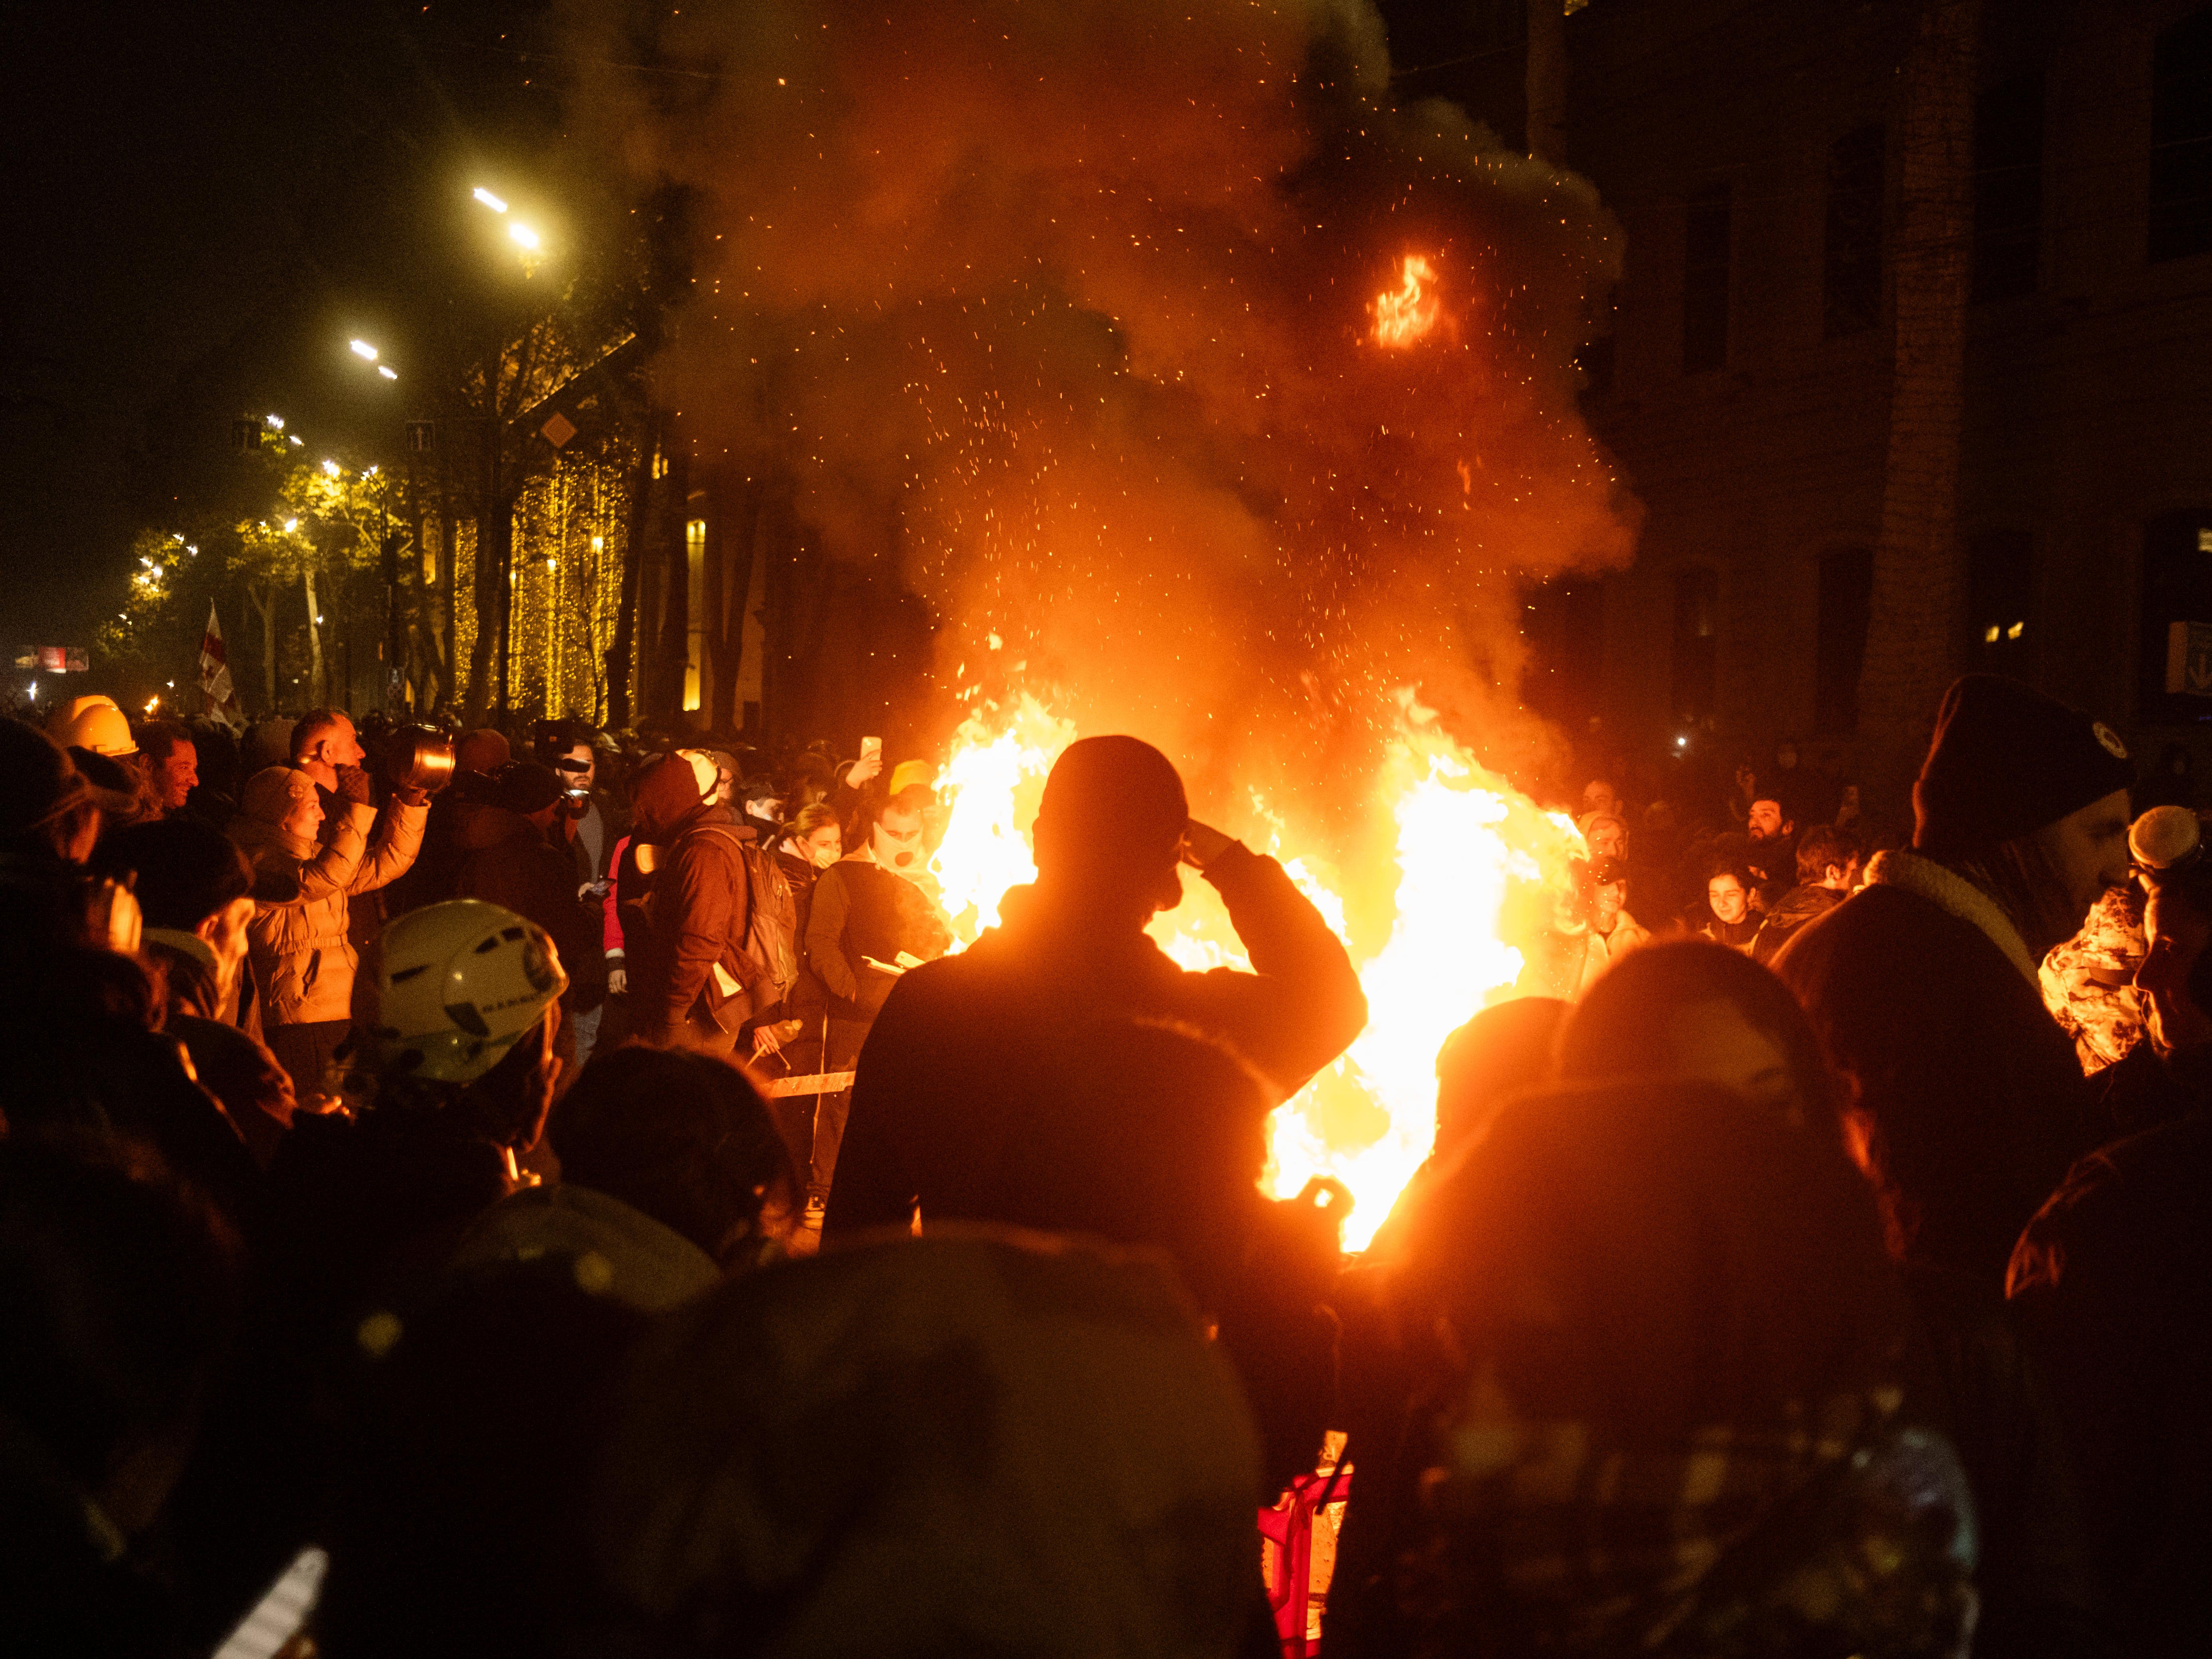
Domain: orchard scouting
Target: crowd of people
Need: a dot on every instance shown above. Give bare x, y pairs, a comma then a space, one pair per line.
458, 1200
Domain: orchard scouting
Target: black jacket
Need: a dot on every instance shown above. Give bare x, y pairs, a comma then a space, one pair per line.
699, 911
2113, 1278
1800, 905
940, 1099
1971, 1099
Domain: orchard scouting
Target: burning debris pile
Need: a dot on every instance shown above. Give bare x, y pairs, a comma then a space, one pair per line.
1201, 391
1470, 857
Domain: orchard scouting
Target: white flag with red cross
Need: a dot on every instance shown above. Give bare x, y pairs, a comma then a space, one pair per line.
214, 677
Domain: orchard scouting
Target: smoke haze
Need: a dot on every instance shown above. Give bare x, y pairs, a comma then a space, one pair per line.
1066, 313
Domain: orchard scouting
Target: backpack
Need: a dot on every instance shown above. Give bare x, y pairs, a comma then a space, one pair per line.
770, 940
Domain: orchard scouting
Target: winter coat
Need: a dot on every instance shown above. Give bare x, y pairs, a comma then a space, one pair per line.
858, 909
303, 961
939, 1096
507, 861
1973, 1107
2114, 1280
696, 918
1800, 905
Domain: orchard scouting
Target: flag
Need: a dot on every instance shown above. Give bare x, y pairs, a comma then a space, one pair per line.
214, 677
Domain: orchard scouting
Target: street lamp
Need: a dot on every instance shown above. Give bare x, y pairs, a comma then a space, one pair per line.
489, 200
524, 236
362, 350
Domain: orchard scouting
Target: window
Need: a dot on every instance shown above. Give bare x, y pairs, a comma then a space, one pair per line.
1564, 622
695, 615
2008, 189
1705, 248
1697, 644
1851, 287
2174, 654
2181, 139
2000, 600
1839, 641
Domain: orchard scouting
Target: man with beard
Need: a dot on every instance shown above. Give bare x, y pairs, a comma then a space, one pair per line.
1969, 1104
2112, 1279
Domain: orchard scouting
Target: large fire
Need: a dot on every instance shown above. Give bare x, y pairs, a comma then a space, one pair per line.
1407, 315
1466, 845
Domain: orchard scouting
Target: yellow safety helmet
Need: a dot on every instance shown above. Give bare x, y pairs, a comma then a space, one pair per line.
92, 722
460, 983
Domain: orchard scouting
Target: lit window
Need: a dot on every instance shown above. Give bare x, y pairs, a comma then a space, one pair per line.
695, 564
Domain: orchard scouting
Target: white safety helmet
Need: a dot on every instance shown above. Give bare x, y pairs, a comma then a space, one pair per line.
460, 984
92, 722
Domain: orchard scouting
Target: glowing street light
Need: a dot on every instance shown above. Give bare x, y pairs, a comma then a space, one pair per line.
489, 200
362, 350
523, 235
276, 422
388, 372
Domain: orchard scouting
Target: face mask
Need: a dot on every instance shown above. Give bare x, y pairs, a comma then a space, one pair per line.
824, 857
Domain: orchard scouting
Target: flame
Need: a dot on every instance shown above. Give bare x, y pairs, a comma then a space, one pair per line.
1402, 317
1466, 845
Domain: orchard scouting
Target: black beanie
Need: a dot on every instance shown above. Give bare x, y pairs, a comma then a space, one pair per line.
2006, 761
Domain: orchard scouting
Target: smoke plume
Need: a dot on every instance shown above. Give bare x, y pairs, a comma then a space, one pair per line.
1067, 311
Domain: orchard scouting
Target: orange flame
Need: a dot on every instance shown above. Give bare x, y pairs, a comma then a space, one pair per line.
1465, 841
1402, 317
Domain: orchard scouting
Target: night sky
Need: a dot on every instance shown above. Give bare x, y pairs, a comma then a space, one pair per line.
202, 199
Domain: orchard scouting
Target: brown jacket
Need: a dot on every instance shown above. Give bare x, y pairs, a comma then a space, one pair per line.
303, 961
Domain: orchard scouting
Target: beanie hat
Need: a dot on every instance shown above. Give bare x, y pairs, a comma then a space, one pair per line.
270, 792
2007, 761
666, 792
1113, 799
526, 786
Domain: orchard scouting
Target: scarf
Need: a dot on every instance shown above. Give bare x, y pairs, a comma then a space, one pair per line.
1955, 895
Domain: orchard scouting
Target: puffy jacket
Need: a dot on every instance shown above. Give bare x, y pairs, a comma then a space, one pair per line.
301, 959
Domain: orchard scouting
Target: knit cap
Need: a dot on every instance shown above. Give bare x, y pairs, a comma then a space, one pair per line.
2007, 761
270, 792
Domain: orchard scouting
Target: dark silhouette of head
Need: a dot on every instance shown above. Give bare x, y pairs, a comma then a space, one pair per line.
684, 1139
1110, 828
1501, 1052
1650, 1258
1689, 1010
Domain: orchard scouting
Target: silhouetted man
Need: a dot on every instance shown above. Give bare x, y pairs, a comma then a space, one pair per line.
954, 1078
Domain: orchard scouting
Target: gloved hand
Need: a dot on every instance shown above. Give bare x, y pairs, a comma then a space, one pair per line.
353, 787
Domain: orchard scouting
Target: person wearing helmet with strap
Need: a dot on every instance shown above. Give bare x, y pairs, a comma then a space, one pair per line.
446, 1084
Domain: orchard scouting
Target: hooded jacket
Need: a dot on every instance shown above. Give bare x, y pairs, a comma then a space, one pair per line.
302, 960
698, 913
